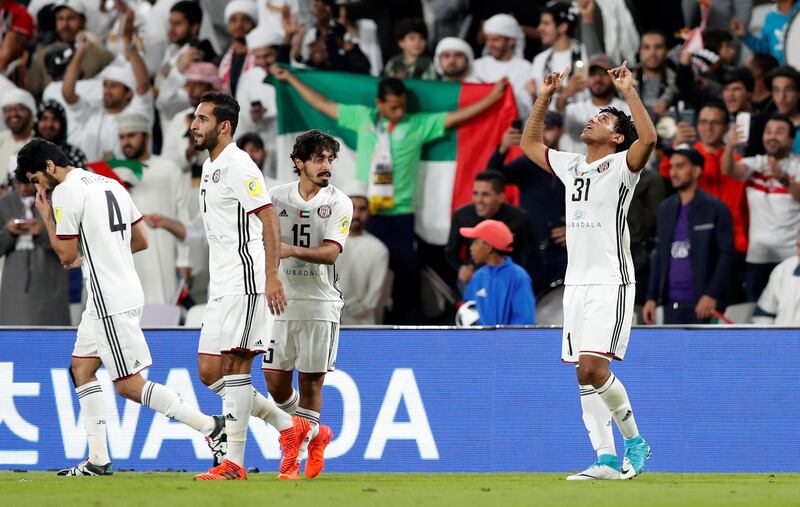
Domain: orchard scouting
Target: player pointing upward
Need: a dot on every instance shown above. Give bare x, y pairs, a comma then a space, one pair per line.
598, 300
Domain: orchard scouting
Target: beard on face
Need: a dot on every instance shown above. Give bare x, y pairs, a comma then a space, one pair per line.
133, 152
316, 179
209, 142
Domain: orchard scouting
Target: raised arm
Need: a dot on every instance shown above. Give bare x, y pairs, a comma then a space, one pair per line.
313, 97
641, 149
532, 143
73, 71
465, 113
133, 56
729, 166
271, 232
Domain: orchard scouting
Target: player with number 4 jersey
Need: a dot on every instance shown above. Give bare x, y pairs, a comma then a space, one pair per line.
315, 221
94, 216
599, 292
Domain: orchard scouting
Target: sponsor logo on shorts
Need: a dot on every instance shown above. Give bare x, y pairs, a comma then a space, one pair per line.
324, 211
136, 364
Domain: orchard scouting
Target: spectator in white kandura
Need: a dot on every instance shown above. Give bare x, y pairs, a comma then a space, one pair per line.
178, 146
501, 61
126, 88
578, 113
19, 109
164, 189
70, 18
557, 24
780, 302
241, 17
773, 196
259, 109
453, 59
184, 49
363, 265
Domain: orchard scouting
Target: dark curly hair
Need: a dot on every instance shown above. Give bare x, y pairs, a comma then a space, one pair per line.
311, 143
624, 125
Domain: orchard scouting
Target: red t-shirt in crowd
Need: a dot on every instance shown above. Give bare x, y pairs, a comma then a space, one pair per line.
728, 190
15, 18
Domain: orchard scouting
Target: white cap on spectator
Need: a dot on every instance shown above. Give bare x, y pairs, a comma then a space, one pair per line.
122, 74
131, 123
262, 37
453, 44
355, 188
504, 25
73, 5
247, 7
19, 96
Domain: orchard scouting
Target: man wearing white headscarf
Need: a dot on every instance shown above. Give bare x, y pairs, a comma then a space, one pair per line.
241, 17
502, 34
126, 88
19, 110
453, 59
259, 109
163, 188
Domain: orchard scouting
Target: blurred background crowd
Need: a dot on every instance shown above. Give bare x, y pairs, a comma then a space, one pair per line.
715, 219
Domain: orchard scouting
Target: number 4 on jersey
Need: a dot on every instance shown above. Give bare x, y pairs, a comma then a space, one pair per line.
115, 214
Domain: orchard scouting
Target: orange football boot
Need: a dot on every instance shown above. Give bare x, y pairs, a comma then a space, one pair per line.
316, 451
227, 471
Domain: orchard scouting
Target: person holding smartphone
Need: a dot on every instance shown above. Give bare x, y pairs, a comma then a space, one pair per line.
34, 286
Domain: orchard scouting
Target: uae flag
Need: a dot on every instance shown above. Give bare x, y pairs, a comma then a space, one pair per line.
127, 172
448, 165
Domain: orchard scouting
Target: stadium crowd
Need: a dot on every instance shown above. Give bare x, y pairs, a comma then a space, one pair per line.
715, 219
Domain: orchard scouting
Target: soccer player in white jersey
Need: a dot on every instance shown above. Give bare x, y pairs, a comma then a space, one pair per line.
599, 294
94, 216
315, 221
244, 248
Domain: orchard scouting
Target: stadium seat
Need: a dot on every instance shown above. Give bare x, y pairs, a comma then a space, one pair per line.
550, 308
194, 317
741, 313
161, 315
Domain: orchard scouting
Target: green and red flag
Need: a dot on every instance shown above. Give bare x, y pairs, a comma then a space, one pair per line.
448, 166
127, 172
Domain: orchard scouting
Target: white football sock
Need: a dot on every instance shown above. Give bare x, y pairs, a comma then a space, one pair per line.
90, 398
290, 406
263, 407
597, 419
165, 401
615, 397
237, 405
313, 418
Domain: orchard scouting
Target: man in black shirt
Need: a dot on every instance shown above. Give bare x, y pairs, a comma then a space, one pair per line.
487, 202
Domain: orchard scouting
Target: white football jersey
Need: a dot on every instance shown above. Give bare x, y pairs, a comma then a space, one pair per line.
312, 289
597, 196
100, 213
231, 190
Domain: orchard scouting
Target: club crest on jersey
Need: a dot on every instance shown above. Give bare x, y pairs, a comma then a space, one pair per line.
253, 187
57, 214
215, 176
603, 167
324, 211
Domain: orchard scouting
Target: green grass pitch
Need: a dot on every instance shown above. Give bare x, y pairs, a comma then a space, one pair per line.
388, 490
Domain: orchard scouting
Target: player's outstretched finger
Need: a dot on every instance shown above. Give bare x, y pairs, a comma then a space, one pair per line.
565, 72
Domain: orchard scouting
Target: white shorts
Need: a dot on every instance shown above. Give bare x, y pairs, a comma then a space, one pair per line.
116, 340
597, 321
235, 323
308, 346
